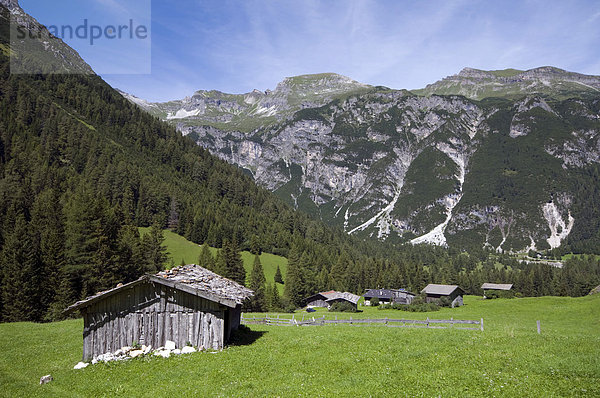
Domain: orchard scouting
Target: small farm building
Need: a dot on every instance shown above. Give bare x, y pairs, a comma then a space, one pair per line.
326, 299
389, 296
497, 289
435, 292
186, 305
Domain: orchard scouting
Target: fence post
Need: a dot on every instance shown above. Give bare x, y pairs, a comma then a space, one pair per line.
386, 320
427, 321
539, 328
481, 324
451, 321
350, 320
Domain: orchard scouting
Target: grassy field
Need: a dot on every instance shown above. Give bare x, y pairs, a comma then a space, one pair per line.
182, 250
507, 359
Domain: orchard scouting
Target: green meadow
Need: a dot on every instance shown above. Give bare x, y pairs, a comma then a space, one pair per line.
181, 250
508, 359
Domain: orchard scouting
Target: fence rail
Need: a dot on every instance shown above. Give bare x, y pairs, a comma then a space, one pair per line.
390, 322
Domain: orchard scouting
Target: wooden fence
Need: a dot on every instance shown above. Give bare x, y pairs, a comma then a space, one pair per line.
390, 322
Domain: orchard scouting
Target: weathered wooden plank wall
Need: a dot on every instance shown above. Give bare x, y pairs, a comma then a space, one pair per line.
151, 314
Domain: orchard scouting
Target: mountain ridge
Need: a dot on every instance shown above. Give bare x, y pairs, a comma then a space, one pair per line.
548, 80
394, 164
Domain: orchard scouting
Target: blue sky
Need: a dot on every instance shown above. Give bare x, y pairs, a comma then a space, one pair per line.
236, 46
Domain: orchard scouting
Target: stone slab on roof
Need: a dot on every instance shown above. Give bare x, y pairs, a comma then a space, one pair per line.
192, 279
353, 298
442, 290
496, 286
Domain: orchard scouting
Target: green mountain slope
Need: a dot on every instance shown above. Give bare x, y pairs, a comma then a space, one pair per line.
181, 250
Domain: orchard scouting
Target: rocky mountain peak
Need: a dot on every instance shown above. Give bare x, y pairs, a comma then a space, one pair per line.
10, 4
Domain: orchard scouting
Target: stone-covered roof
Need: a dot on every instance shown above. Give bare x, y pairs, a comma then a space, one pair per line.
333, 295
192, 279
496, 286
353, 298
442, 290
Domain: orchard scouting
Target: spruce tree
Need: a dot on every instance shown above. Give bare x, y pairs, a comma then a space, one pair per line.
278, 277
273, 298
22, 279
338, 275
294, 284
154, 250
206, 258
235, 264
220, 265
257, 285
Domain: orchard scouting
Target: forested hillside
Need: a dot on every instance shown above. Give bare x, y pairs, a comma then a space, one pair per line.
81, 168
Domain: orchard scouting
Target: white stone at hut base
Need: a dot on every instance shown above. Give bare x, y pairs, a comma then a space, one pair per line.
46, 379
163, 353
81, 365
188, 350
136, 353
170, 345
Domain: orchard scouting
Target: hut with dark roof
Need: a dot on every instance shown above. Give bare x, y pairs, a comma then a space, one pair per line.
186, 305
389, 296
494, 290
434, 292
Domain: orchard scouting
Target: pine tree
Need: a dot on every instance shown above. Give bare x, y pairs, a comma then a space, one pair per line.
206, 258
235, 264
220, 265
257, 285
338, 275
278, 277
294, 284
154, 251
255, 246
22, 274
230, 264
273, 298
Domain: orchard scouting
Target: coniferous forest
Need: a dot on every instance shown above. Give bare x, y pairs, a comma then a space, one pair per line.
81, 168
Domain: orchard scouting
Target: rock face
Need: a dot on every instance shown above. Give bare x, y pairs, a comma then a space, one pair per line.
37, 51
390, 164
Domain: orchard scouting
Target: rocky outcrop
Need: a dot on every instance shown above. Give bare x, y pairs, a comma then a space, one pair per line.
388, 164
38, 52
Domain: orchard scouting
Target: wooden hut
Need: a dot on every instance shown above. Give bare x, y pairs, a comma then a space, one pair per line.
326, 299
319, 299
186, 305
435, 292
340, 297
388, 296
493, 290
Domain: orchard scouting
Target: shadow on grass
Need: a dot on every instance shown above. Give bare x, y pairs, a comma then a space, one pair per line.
245, 336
